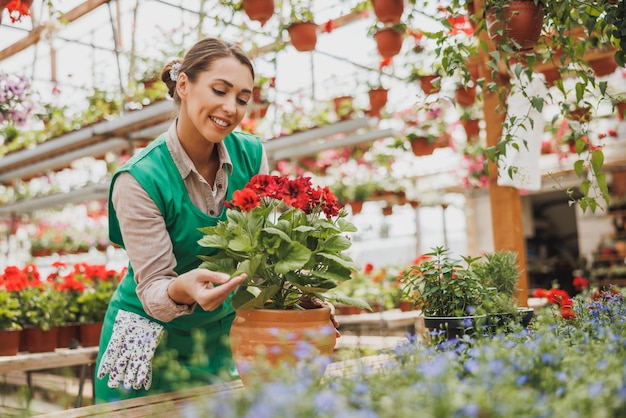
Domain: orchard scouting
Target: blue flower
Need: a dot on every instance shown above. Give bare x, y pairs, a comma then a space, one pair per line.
595, 389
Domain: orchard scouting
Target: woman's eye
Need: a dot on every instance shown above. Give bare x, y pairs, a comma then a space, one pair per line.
218, 92
242, 102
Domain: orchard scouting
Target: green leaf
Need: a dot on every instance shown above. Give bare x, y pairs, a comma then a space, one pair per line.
578, 167
241, 243
213, 241
294, 258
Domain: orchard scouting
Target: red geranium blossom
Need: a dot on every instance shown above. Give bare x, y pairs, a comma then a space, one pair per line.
580, 283
297, 193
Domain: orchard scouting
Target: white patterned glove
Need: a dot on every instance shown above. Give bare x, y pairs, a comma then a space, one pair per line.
128, 357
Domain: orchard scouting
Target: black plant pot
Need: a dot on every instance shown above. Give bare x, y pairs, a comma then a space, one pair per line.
523, 316
455, 326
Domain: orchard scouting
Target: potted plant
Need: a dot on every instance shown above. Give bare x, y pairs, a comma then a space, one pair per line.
388, 11
388, 37
302, 28
462, 296
290, 239
425, 128
500, 270
42, 312
10, 327
100, 284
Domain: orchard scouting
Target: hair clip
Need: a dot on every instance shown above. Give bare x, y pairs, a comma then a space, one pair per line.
174, 71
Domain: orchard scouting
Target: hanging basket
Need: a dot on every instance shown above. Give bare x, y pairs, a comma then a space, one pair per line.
517, 24
388, 11
259, 10
388, 42
303, 36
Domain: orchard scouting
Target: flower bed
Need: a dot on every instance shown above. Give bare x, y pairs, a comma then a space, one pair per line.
559, 368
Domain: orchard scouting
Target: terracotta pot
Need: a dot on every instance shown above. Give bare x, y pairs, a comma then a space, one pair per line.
68, 336
388, 42
260, 10
426, 83
36, 340
259, 112
343, 106
9, 342
465, 96
257, 94
421, 147
603, 66
388, 11
471, 14
472, 128
580, 114
518, 24
356, 206
90, 334
303, 36
405, 305
621, 109
264, 337
378, 98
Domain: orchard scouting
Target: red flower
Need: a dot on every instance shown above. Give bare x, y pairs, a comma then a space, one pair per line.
385, 62
567, 312
369, 267
540, 293
420, 258
245, 199
328, 26
557, 296
580, 283
17, 9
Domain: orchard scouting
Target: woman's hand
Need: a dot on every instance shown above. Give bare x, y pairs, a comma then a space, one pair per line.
208, 288
312, 302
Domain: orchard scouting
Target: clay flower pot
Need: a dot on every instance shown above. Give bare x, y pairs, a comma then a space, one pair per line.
259, 10
378, 99
303, 35
388, 11
518, 24
268, 337
388, 42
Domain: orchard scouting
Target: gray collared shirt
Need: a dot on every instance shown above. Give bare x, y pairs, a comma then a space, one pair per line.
148, 245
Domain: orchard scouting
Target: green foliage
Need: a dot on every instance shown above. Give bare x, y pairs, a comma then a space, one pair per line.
574, 367
94, 300
286, 253
41, 307
9, 310
442, 286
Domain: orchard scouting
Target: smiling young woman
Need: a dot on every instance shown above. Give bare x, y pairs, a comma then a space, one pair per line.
158, 201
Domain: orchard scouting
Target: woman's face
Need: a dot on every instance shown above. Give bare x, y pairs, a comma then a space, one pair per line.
217, 101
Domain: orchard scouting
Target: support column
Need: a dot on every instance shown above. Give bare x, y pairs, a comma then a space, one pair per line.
506, 204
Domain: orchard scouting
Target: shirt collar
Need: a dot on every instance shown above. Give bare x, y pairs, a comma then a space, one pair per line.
182, 160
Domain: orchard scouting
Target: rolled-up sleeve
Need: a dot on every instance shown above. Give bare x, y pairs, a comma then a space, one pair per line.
148, 247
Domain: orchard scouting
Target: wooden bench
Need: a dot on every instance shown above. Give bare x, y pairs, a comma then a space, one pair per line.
28, 363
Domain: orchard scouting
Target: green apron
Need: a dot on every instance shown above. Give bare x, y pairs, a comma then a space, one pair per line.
194, 349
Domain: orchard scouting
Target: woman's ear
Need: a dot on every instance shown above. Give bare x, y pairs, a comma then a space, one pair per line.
182, 85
